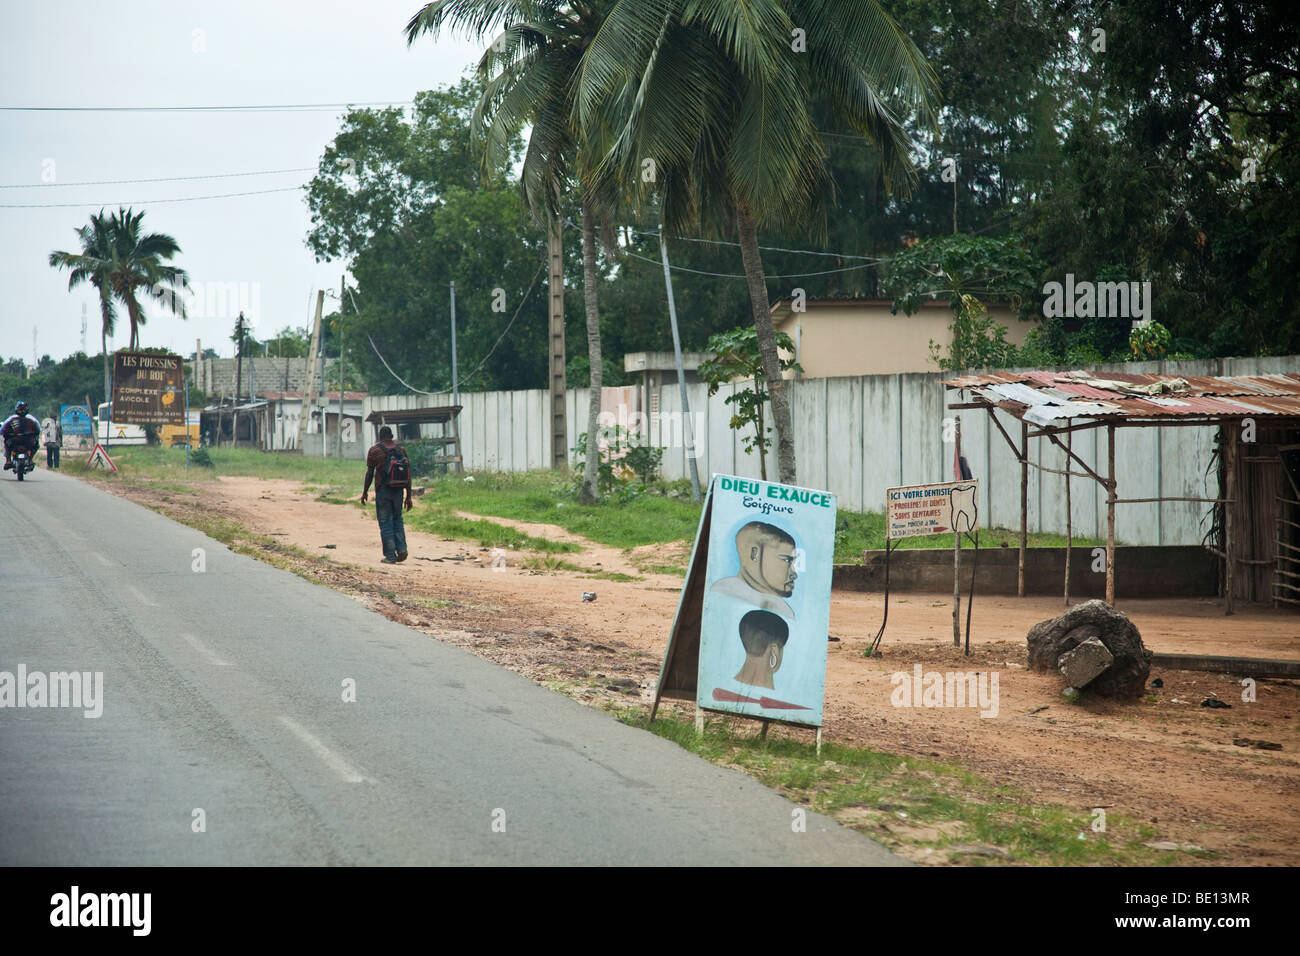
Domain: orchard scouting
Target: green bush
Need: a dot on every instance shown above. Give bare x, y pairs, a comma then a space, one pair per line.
422, 454
645, 460
638, 460
200, 457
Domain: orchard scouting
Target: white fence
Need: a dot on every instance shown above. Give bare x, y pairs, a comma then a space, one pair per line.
857, 437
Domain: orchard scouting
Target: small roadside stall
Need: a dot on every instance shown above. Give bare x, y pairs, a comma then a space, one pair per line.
409, 424
1255, 515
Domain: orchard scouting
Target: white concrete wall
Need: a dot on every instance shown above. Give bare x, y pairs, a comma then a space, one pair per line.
857, 437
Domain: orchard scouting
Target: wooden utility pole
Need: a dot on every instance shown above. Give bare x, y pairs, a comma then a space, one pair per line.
1069, 514
1024, 508
1229, 495
239, 370
681, 375
956, 548
1110, 514
342, 291
309, 396
559, 416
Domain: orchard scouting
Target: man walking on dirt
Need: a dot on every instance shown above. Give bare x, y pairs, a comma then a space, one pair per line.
389, 468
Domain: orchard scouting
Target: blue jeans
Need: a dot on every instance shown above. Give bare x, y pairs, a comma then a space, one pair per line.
388, 509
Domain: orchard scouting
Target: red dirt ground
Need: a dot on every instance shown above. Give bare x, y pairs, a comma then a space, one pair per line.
1167, 761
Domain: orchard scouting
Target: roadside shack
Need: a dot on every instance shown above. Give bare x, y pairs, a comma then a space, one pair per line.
1254, 518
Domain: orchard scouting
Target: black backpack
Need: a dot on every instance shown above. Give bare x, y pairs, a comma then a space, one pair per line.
396, 472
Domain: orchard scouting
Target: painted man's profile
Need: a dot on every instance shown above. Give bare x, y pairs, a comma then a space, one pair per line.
764, 635
767, 573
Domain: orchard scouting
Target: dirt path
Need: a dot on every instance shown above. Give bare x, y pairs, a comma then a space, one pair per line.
1166, 761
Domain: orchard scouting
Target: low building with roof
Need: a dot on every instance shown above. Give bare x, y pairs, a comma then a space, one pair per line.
839, 337
1255, 527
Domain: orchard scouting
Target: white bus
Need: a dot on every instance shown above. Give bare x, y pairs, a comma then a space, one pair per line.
120, 434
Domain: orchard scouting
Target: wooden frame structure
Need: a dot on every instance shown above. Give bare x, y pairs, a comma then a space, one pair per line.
1055, 404
444, 415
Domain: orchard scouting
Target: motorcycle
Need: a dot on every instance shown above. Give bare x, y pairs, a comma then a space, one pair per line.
23, 463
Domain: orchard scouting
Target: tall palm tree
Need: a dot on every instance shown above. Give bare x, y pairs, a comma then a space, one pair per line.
718, 98
530, 71
140, 263
93, 264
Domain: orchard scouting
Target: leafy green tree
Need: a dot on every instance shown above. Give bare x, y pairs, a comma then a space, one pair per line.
409, 207
289, 342
141, 265
712, 109
69, 382
528, 74
94, 264
737, 356
968, 270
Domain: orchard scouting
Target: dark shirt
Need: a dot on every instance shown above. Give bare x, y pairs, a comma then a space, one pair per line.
375, 459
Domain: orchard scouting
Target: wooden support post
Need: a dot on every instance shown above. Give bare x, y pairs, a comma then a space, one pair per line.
559, 413
309, 396
1110, 514
699, 720
956, 588
1229, 494
819, 741
762, 734
956, 546
1069, 524
1024, 508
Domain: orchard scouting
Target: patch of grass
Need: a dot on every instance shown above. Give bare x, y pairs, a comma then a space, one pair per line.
921, 803
159, 462
548, 562
613, 576
488, 534
542, 497
333, 499
677, 570
433, 604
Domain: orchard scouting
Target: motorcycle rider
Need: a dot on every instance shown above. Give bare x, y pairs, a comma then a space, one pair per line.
20, 429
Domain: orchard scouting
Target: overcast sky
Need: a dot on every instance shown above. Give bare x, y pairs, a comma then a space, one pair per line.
170, 53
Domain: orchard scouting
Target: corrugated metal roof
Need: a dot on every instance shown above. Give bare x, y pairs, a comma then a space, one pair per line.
1047, 397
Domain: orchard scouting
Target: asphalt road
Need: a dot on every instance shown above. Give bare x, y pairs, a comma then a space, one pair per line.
225, 737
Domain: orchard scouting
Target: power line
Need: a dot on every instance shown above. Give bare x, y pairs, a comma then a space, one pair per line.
502, 336
741, 275
159, 179
500, 339
802, 252
409, 386
146, 202
253, 108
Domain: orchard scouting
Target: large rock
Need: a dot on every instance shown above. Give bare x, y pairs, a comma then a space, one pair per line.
1126, 677
1085, 663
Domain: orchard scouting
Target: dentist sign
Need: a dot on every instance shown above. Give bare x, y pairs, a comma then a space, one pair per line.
917, 510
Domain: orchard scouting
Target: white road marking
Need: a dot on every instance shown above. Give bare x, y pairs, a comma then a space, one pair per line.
139, 596
327, 756
204, 651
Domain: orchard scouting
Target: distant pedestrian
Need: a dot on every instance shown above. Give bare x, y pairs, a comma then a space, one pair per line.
52, 436
390, 470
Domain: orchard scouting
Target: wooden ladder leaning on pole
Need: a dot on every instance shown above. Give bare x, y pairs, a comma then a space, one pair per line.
309, 395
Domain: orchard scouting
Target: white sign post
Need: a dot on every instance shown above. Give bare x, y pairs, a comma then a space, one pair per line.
918, 510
